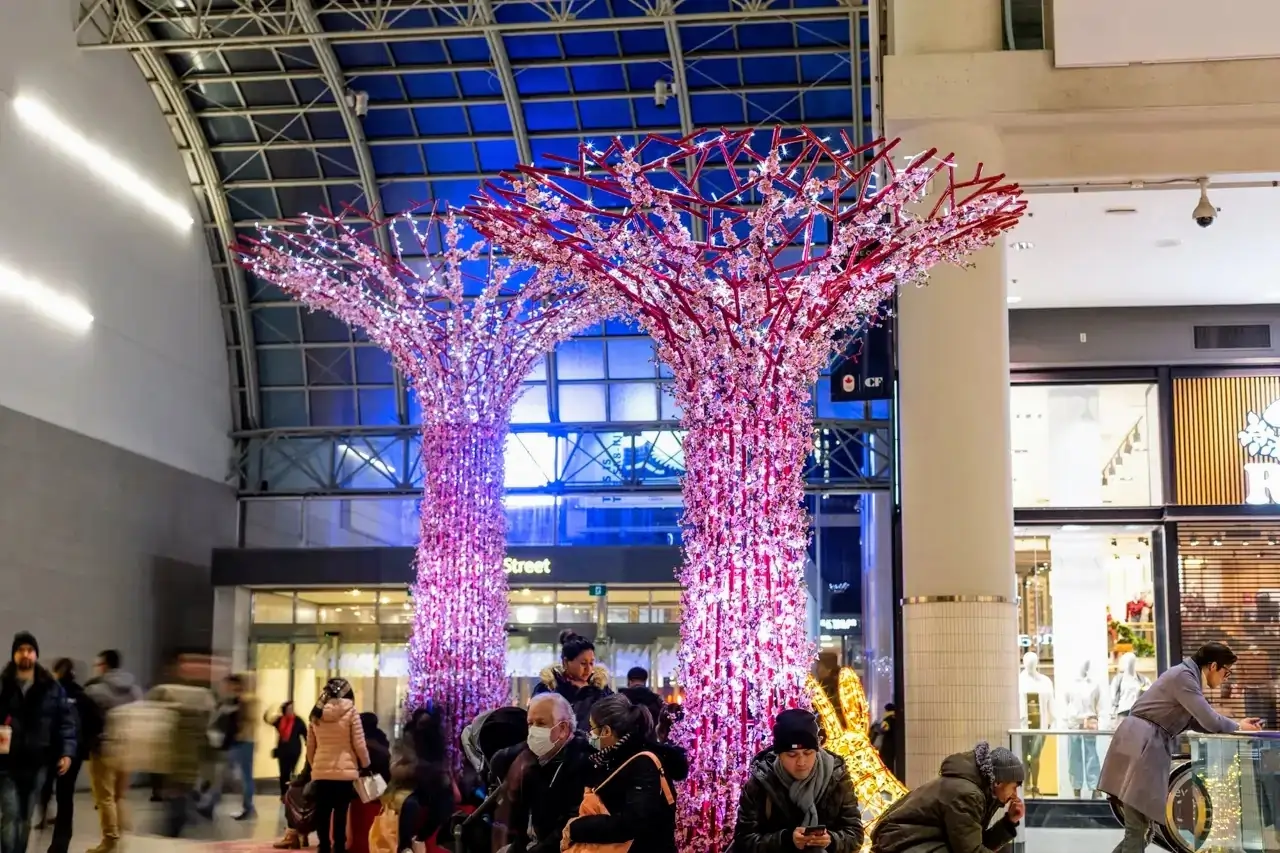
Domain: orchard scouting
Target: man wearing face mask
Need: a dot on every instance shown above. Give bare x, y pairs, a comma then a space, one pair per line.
544, 785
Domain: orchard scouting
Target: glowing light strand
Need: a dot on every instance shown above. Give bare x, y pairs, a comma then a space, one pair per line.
465, 340
745, 319
875, 785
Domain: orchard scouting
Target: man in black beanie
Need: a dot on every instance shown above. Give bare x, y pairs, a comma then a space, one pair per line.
37, 729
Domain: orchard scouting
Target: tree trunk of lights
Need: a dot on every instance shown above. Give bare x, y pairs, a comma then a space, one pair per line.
744, 645
457, 651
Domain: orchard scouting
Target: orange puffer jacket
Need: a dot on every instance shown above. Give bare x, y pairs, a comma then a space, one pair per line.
336, 749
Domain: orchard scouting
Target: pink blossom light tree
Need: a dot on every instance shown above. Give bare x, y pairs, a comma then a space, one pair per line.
803, 240
465, 327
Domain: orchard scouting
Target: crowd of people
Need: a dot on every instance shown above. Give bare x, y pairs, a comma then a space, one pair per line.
582, 769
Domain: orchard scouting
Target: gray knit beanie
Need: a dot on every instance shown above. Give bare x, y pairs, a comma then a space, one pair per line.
999, 764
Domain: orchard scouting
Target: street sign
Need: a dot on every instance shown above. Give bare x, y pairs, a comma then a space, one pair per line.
597, 590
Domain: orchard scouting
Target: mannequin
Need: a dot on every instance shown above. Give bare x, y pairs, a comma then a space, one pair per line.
1035, 694
1127, 686
1139, 609
1084, 699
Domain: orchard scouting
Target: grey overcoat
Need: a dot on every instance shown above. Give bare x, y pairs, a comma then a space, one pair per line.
1137, 766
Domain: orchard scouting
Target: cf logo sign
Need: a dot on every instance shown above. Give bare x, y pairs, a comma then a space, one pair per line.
874, 381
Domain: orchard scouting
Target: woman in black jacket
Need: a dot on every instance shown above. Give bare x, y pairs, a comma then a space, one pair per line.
631, 784
799, 796
291, 735
577, 678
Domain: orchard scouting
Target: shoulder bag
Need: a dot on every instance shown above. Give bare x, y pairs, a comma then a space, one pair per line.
591, 805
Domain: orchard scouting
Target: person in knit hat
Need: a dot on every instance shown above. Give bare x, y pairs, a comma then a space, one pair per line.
953, 813
799, 796
39, 726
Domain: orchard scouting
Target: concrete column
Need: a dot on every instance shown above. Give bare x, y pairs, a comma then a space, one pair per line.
877, 597
959, 616
945, 26
1075, 456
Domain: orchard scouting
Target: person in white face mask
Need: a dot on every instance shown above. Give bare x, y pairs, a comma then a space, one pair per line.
546, 780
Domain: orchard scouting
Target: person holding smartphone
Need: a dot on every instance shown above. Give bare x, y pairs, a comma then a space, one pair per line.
799, 796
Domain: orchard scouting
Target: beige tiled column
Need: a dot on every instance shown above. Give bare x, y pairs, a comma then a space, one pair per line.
959, 617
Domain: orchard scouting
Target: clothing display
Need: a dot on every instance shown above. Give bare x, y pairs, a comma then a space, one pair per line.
1127, 686
1083, 710
1035, 697
1138, 610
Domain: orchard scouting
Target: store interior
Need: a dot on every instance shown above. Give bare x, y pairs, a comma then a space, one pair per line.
1085, 445
1086, 643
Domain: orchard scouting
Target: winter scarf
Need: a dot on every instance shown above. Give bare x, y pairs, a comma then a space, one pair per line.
805, 792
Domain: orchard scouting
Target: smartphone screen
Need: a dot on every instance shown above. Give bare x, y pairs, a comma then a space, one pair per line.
815, 830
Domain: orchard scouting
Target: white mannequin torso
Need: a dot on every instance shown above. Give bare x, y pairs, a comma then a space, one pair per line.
1035, 699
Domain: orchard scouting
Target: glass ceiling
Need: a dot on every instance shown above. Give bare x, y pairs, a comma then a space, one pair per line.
283, 107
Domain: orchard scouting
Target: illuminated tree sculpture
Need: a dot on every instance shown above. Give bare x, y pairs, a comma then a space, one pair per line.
803, 240
466, 329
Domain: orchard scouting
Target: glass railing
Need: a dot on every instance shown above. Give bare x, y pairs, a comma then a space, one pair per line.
1061, 764
1224, 790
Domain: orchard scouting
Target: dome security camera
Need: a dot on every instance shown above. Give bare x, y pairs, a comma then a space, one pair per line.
1205, 213
663, 89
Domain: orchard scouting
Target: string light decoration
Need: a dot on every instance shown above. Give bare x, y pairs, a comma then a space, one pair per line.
465, 328
796, 243
1223, 789
876, 786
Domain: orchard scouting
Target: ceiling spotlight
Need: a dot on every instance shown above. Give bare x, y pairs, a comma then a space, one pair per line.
1013, 300
1022, 245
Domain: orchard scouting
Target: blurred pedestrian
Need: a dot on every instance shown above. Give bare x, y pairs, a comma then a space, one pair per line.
110, 688
336, 753
291, 736
65, 784
39, 726
420, 766
191, 704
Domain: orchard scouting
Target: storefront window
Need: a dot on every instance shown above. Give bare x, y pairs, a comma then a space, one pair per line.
1085, 445
1230, 591
1086, 644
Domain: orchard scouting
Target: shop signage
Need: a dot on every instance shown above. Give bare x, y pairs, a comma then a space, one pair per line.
1026, 641
597, 590
1261, 438
1226, 432
512, 566
837, 624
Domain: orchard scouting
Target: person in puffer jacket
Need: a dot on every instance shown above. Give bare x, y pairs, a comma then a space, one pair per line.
953, 813
799, 796
336, 753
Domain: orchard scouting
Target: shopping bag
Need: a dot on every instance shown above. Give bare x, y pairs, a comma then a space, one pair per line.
384, 832
370, 788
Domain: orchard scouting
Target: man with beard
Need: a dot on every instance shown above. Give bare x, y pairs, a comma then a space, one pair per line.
37, 732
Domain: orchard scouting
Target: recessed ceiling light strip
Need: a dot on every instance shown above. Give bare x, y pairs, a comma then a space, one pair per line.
63, 310
41, 120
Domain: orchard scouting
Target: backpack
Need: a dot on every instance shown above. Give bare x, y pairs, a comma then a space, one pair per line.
92, 724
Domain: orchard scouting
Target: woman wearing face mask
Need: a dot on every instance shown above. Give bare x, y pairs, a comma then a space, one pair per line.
630, 798
577, 678
799, 796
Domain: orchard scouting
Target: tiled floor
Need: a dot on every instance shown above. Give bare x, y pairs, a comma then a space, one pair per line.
222, 834
227, 836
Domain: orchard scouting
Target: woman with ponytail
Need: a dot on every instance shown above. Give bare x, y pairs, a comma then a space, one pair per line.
577, 678
629, 795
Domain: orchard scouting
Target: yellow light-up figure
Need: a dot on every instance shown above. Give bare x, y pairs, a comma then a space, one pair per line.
876, 787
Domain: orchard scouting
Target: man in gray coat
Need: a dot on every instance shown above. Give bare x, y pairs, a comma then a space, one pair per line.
1136, 770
